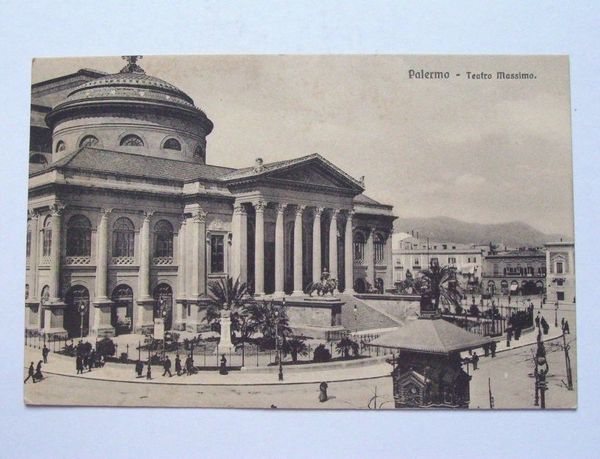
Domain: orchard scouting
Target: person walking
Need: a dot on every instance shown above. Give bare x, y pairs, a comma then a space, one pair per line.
38, 372
177, 365
149, 371
537, 320
566, 329
562, 324
91, 360
544, 325
475, 360
30, 373
508, 335
45, 352
493, 348
79, 364
189, 366
139, 368
167, 367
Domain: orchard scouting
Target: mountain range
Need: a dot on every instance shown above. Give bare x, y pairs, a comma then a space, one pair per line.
511, 234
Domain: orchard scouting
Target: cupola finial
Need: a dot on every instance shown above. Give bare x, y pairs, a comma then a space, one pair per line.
132, 66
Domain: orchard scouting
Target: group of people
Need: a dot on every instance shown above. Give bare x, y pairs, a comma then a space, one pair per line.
541, 323
87, 358
188, 367
35, 375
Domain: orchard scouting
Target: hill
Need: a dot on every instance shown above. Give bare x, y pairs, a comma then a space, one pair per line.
512, 234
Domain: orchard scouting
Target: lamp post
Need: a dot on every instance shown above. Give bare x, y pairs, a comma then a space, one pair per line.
355, 310
163, 313
82, 308
556, 314
278, 348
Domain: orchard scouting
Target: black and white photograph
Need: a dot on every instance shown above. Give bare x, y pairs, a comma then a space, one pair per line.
365, 232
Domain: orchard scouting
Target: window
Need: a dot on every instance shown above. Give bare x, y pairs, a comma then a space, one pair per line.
379, 248
79, 236
123, 238
88, 141
47, 240
163, 246
217, 254
451, 260
559, 282
132, 140
359, 248
417, 262
60, 146
434, 262
559, 267
172, 144
28, 246
560, 296
444, 246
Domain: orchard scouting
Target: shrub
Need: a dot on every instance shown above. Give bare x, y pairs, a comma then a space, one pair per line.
321, 354
105, 347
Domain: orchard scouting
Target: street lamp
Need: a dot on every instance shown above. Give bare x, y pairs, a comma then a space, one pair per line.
82, 308
556, 314
355, 310
277, 347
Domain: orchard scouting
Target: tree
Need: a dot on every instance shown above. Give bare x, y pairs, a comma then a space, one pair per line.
265, 318
295, 347
345, 345
227, 295
440, 284
321, 354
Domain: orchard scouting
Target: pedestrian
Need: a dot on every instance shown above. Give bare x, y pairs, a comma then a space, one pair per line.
537, 320
189, 366
91, 360
566, 330
38, 372
475, 360
544, 325
79, 364
139, 368
486, 350
223, 368
178, 365
167, 367
508, 335
45, 352
30, 373
149, 371
493, 348
323, 392
562, 324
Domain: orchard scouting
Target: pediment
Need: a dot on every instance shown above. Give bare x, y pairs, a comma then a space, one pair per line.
312, 174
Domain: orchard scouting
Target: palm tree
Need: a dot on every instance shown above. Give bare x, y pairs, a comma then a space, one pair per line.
441, 285
295, 347
265, 318
345, 345
227, 295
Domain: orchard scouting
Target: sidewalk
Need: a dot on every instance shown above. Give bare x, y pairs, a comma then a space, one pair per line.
65, 366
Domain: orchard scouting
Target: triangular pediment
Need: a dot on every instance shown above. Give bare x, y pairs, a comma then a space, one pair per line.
310, 174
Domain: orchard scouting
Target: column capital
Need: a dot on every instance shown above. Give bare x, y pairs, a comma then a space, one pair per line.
148, 215
33, 214
182, 219
350, 213
318, 211
259, 206
105, 212
281, 206
334, 212
199, 216
57, 209
300, 209
239, 209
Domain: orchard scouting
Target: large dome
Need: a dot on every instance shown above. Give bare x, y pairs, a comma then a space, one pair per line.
131, 89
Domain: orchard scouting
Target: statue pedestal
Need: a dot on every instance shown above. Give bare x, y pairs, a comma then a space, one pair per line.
225, 345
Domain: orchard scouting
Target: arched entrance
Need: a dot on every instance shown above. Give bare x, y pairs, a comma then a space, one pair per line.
44, 297
77, 297
121, 317
163, 299
360, 285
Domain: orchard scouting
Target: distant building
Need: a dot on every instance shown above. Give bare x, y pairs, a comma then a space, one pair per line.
515, 272
415, 254
560, 268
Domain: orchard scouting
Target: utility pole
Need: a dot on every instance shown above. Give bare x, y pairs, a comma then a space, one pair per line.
568, 363
491, 396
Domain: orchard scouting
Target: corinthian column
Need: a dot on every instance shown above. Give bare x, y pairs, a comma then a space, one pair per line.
56, 211
298, 251
348, 256
316, 248
259, 249
144, 279
239, 231
279, 250
333, 255
180, 305
102, 257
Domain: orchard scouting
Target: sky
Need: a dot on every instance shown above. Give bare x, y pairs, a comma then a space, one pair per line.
479, 150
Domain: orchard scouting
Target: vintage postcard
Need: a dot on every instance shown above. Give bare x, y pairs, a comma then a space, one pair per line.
312, 232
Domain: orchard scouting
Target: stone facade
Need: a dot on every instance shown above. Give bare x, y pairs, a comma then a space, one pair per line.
560, 269
135, 222
516, 272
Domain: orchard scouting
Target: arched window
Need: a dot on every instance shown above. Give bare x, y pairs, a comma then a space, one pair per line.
132, 140
88, 141
60, 146
163, 245
172, 144
38, 159
359, 248
28, 246
47, 239
199, 152
79, 237
123, 238
45, 295
379, 248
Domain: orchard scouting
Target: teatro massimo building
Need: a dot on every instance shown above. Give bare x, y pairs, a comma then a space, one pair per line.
126, 218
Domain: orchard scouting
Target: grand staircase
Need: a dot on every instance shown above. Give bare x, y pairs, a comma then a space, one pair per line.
369, 315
